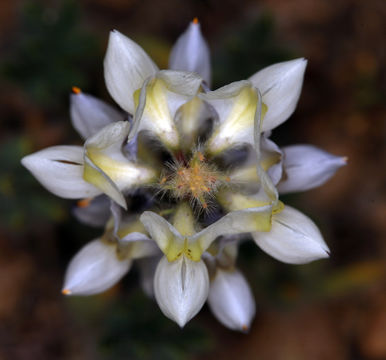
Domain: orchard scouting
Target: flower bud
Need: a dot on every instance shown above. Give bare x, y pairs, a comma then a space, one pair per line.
294, 238
307, 167
94, 269
181, 288
231, 300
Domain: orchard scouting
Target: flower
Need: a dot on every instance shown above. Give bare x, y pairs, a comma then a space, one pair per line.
231, 300
204, 169
230, 297
101, 263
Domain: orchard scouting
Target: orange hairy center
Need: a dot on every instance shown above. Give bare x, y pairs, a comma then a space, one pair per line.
195, 180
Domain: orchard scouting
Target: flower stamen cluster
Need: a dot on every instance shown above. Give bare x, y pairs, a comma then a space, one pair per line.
196, 180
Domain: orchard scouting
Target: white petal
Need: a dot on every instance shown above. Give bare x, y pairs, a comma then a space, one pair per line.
60, 170
280, 86
159, 100
94, 269
191, 53
104, 154
181, 288
126, 67
307, 167
231, 300
293, 239
89, 114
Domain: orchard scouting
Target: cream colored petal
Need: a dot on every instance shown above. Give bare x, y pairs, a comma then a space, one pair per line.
293, 239
280, 86
158, 102
237, 106
104, 151
95, 176
163, 233
59, 169
233, 200
126, 67
181, 288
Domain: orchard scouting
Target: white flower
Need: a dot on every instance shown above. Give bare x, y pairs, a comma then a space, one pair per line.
94, 269
127, 66
307, 167
196, 154
60, 170
101, 263
89, 114
280, 86
231, 299
191, 52
293, 239
181, 288
181, 281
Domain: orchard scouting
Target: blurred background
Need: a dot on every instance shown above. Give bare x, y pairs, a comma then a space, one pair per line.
330, 309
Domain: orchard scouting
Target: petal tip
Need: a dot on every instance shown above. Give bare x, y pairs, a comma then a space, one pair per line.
30, 162
24, 161
245, 329
181, 322
66, 292
76, 90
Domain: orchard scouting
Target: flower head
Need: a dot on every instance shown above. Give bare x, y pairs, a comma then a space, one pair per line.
205, 171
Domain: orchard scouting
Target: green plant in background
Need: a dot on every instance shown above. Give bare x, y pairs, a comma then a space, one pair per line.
245, 48
141, 333
51, 52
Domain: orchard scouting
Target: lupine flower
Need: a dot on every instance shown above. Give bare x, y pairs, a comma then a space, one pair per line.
205, 171
181, 280
230, 297
101, 263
